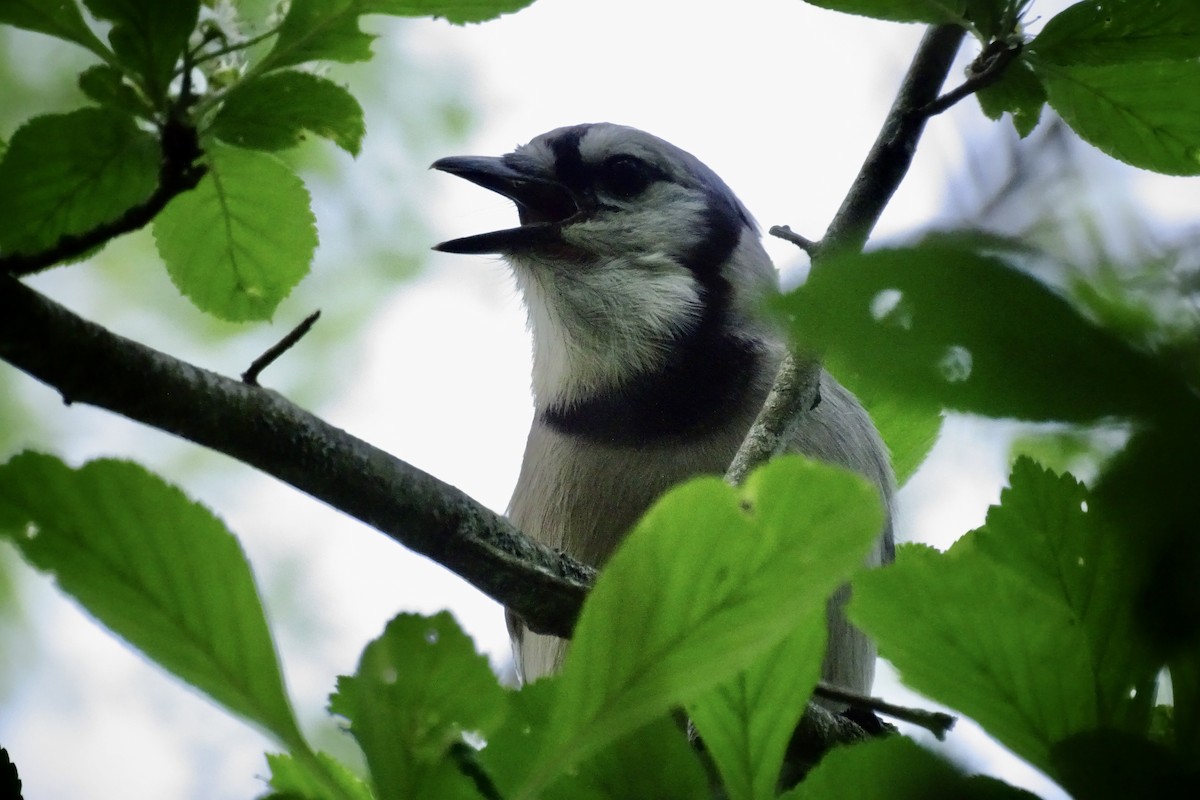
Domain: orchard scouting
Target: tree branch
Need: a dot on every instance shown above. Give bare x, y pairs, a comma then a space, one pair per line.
797, 384
178, 172
88, 364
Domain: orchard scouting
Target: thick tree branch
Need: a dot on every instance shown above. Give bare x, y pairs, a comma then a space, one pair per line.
89, 364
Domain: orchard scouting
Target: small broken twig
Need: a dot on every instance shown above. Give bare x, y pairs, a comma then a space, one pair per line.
936, 722
250, 376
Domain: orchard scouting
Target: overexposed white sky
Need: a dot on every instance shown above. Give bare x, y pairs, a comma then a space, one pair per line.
780, 98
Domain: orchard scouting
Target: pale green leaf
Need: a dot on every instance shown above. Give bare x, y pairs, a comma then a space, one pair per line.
157, 569
711, 578
275, 111
65, 174
418, 688
292, 779
747, 722
237, 243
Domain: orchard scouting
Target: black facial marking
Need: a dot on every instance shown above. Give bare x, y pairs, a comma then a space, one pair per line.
709, 373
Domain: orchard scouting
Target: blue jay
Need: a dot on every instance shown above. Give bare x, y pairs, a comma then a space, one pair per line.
641, 273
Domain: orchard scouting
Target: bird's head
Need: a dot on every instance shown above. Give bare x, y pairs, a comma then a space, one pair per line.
630, 254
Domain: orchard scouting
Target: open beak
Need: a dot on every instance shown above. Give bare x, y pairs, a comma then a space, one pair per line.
542, 205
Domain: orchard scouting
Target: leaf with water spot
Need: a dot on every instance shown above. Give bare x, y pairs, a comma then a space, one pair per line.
942, 324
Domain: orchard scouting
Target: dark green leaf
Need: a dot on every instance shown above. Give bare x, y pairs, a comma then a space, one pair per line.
456, 11
237, 243
291, 779
940, 324
1116, 31
417, 689
1019, 93
895, 768
68, 173
933, 11
1046, 531
709, 580
157, 569
747, 722
274, 112
59, 19
149, 37
969, 633
1145, 114
654, 761
1185, 683
106, 85
1111, 765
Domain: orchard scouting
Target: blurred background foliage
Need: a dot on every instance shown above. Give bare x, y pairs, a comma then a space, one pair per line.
374, 233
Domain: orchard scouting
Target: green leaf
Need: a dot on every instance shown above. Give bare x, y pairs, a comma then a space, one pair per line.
941, 324
1185, 684
237, 243
65, 174
654, 761
970, 634
149, 37
106, 85
320, 30
1019, 93
455, 11
59, 19
747, 722
1116, 31
932, 11
157, 569
291, 779
909, 428
1046, 580
274, 112
418, 687
1145, 114
895, 768
711, 578
1048, 532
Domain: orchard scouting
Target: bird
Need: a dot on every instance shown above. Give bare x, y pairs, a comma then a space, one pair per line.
642, 275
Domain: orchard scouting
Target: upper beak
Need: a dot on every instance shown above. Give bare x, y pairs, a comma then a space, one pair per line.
542, 204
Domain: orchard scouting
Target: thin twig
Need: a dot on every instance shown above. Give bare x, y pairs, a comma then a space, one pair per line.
985, 70
789, 235
936, 722
250, 376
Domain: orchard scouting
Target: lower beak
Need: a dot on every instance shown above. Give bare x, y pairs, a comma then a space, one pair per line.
543, 204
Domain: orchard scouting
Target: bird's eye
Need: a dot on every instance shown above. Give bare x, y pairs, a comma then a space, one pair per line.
625, 177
